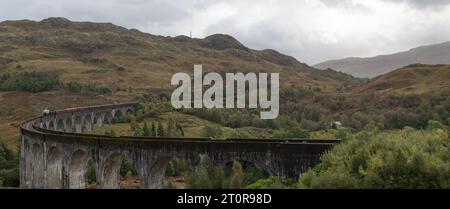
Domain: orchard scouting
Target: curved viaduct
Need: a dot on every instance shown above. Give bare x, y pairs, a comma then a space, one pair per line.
55, 152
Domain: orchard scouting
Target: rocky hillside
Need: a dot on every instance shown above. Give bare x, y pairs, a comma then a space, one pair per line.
374, 66
411, 79
120, 58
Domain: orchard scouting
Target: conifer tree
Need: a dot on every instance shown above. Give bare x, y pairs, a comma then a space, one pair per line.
153, 130
237, 179
146, 131
160, 129
171, 126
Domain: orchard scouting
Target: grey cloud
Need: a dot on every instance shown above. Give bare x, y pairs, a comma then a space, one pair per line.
423, 4
328, 30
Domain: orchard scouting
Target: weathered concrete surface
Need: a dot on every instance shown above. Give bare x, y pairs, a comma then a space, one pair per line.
55, 153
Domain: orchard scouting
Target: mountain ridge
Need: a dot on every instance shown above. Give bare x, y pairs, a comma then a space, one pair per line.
381, 64
72, 49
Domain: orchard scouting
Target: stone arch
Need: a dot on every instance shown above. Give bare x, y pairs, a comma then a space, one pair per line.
119, 116
54, 168
246, 165
245, 162
176, 168
98, 120
129, 111
111, 171
129, 173
77, 124
77, 169
156, 173
86, 124
37, 166
107, 118
60, 125
68, 124
51, 125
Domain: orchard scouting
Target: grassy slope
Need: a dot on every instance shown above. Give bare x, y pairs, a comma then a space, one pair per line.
412, 79
192, 126
84, 52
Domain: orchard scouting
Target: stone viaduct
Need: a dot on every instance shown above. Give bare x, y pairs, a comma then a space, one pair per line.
55, 151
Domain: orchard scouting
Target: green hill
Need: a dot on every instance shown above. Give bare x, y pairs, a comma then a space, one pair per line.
411, 79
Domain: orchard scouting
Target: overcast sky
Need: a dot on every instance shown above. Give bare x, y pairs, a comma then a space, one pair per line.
310, 30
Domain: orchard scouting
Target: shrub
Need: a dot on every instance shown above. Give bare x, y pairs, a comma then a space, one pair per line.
207, 176
120, 69
9, 167
237, 179
97, 89
402, 159
432, 125
29, 81
273, 182
165, 96
211, 131
10, 178
74, 86
290, 133
92, 87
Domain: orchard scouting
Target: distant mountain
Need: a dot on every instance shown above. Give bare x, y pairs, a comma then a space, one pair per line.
373, 66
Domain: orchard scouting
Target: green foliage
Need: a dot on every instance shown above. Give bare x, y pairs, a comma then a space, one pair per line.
434, 125
152, 106
92, 87
165, 96
9, 178
160, 130
171, 126
120, 69
146, 131
111, 132
170, 185
180, 131
9, 167
177, 167
207, 176
153, 130
90, 173
406, 158
136, 129
74, 86
290, 133
273, 182
211, 131
97, 89
238, 178
127, 168
121, 118
29, 81
7, 157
